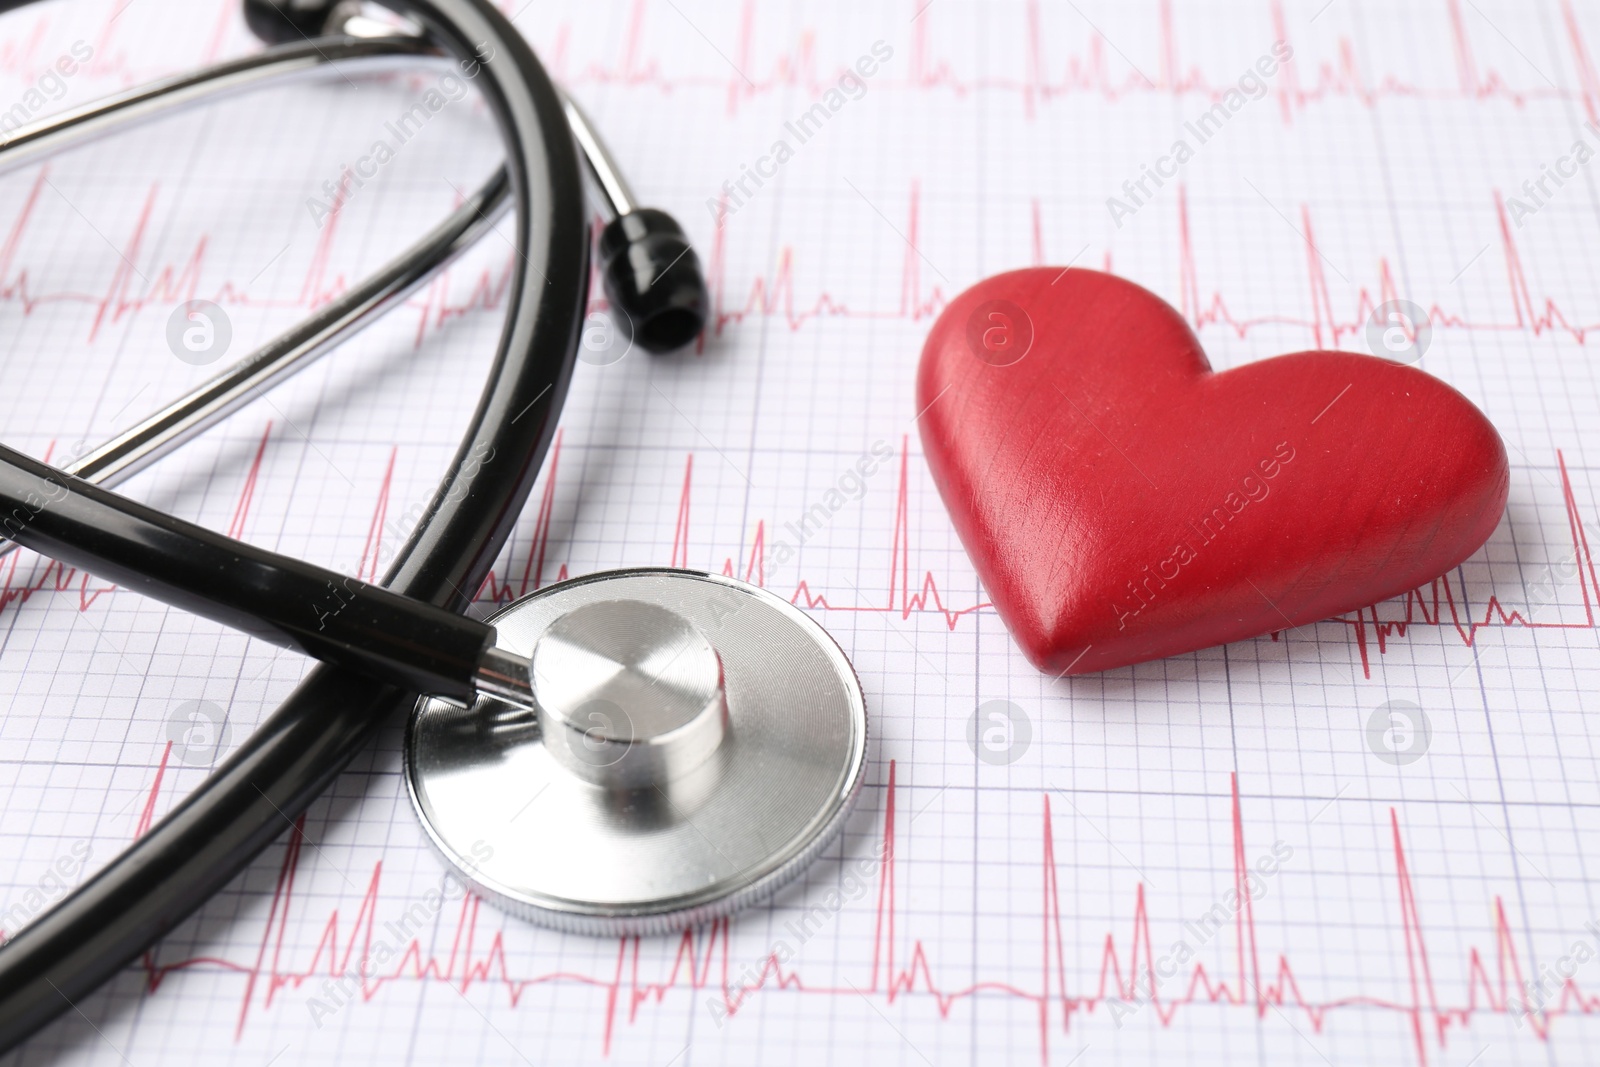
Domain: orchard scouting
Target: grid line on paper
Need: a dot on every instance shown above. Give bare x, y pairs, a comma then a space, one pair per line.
1408, 902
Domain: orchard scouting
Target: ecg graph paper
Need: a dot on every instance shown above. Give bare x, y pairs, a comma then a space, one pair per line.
1065, 889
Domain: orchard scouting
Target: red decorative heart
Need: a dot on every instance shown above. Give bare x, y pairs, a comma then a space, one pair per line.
1123, 502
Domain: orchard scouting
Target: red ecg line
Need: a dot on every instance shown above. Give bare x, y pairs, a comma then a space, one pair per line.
1257, 981
1087, 69
1424, 606
340, 965
774, 295
1440, 605
55, 577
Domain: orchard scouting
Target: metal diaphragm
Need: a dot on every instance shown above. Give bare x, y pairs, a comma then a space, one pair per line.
697, 742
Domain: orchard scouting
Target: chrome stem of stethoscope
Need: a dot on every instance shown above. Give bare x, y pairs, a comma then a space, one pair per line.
121, 111
505, 676
146, 442
607, 176
195, 850
154, 437
696, 741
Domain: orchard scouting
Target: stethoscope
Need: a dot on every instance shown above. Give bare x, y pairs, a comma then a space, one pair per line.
623, 753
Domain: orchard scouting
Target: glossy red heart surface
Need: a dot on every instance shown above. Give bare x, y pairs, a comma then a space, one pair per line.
1123, 502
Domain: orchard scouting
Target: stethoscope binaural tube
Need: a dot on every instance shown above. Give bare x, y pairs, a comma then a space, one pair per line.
652, 276
148, 440
250, 800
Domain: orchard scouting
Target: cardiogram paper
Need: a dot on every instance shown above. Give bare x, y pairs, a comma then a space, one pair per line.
1370, 840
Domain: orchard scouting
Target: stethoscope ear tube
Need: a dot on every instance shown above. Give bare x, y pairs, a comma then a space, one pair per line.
280, 599
290, 759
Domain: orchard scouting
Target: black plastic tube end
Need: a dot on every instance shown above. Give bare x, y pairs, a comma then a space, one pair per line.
288, 21
653, 276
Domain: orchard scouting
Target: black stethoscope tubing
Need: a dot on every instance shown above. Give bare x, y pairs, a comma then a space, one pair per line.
249, 801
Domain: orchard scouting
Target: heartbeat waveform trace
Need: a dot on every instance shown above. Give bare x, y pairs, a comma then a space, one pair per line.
147, 814
1088, 68
904, 967
1424, 607
344, 961
169, 284
900, 600
774, 296
1091, 70
1327, 329
1440, 605
56, 577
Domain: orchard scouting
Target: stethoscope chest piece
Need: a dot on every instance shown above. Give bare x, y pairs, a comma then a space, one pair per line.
697, 742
